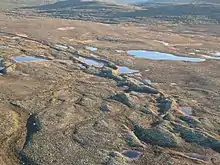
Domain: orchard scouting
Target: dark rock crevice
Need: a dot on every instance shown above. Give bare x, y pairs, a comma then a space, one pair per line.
32, 126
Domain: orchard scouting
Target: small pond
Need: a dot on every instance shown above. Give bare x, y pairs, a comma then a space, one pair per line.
216, 54
152, 55
124, 70
91, 48
212, 57
27, 59
92, 62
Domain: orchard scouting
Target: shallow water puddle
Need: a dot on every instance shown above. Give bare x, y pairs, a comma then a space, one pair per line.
161, 56
91, 48
124, 69
94, 63
132, 154
27, 59
91, 62
212, 57
187, 110
216, 54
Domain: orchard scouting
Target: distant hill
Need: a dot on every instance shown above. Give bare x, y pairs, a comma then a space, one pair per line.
28, 2
210, 1
168, 1
22, 3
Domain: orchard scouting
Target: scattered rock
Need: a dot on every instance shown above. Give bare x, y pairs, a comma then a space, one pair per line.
10, 67
132, 139
188, 111
2, 66
164, 104
147, 81
81, 66
147, 110
197, 136
165, 124
2, 70
132, 154
1, 62
123, 98
156, 136
137, 87
110, 73
169, 117
115, 154
91, 70
116, 158
111, 65
208, 123
191, 121
105, 108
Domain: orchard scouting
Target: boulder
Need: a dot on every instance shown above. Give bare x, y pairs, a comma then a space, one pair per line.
110, 73
197, 136
164, 104
132, 139
135, 86
2, 70
169, 117
111, 65
105, 108
156, 136
191, 121
116, 158
123, 98
2, 66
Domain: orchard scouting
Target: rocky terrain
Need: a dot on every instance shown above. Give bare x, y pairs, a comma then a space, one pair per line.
81, 92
